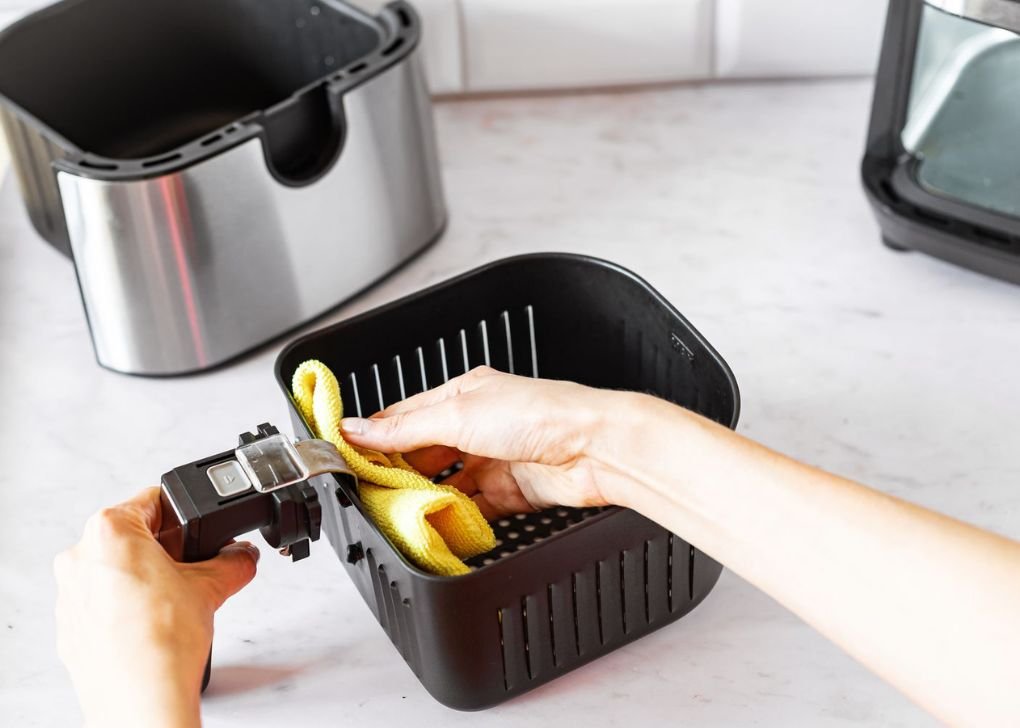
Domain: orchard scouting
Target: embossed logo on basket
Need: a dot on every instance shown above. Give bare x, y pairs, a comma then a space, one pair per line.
680, 347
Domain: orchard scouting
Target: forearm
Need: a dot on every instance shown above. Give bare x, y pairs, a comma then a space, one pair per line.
919, 598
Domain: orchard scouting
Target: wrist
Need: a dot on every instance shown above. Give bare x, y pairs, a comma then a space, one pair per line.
638, 446
157, 693
152, 708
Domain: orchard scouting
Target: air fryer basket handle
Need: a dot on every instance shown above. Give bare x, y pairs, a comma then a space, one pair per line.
207, 503
180, 548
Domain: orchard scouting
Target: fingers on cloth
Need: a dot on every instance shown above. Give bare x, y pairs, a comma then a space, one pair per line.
465, 481
491, 485
228, 572
489, 511
431, 461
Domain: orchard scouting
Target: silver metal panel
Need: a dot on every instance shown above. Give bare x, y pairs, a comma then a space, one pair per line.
185, 271
1000, 13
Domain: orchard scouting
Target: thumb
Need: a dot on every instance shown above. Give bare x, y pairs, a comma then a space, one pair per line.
229, 571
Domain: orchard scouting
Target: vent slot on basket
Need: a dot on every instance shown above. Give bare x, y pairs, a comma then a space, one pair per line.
97, 165
524, 633
161, 160
595, 609
505, 341
680, 574
393, 47
552, 624
395, 614
589, 611
547, 632
690, 572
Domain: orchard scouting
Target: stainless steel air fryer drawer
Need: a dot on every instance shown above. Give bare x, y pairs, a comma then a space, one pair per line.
220, 171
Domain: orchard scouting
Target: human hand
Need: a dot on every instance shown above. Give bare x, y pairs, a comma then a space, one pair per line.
525, 443
134, 627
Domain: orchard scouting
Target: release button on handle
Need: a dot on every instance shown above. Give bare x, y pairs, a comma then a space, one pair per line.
228, 478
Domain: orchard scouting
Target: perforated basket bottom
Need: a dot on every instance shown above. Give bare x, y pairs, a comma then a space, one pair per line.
528, 529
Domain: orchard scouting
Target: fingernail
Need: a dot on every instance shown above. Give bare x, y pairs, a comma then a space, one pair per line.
354, 425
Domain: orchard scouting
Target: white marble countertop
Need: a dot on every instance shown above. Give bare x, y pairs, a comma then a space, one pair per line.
741, 204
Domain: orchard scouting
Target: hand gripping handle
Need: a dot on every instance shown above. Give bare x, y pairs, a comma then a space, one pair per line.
262, 484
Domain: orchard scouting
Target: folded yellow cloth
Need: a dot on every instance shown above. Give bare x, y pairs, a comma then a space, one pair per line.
435, 526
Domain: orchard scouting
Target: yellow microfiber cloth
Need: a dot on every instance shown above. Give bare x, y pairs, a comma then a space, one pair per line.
435, 526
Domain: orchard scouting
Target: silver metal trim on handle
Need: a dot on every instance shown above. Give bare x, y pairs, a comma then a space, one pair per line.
1000, 13
275, 462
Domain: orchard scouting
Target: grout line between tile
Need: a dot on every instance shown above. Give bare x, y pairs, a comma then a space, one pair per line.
713, 39
462, 41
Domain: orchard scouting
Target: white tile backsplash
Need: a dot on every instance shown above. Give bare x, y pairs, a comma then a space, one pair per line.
797, 37
521, 44
492, 45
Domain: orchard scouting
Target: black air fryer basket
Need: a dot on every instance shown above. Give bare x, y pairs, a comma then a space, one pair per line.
563, 586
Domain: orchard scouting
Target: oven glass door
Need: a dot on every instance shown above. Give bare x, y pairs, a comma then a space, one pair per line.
963, 120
